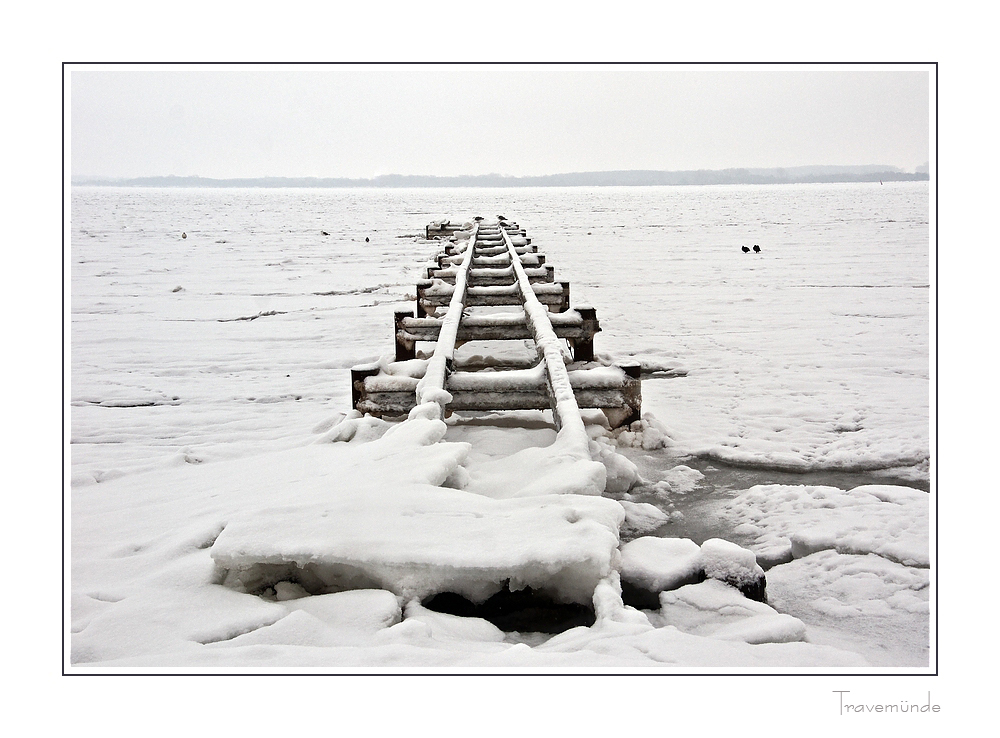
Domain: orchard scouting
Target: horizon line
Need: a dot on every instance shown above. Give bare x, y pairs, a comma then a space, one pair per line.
732, 175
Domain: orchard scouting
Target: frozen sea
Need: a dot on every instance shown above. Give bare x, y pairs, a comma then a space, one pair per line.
805, 366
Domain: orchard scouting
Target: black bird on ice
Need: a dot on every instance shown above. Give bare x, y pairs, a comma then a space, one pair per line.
756, 249
746, 249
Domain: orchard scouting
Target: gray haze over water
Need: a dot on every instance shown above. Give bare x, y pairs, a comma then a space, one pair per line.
363, 121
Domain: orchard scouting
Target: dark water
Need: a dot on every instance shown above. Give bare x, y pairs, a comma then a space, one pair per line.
702, 507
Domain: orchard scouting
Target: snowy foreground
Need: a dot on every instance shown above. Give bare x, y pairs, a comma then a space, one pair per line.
227, 510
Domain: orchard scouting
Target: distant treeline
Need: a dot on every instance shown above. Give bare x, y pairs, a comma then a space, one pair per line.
633, 178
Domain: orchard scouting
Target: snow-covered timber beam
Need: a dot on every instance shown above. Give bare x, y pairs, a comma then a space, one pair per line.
431, 387
576, 326
492, 277
531, 259
615, 390
565, 411
432, 294
496, 250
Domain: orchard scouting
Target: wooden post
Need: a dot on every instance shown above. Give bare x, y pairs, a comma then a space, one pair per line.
564, 305
358, 374
583, 348
632, 390
421, 288
405, 350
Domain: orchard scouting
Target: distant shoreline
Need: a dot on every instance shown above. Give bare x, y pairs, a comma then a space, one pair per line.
629, 178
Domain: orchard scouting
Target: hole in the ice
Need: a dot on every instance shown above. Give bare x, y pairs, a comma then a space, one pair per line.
523, 611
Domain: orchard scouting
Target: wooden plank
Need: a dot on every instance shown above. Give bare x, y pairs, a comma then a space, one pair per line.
441, 230
431, 387
490, 276
614, 403
565, 411
494, 250
500, 260
432, 294
617, 393
576, 326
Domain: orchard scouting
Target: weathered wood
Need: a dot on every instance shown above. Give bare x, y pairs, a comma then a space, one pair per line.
495, 250
429, 389
499, 267
530, 259
576, 326
617, 396
583, 346
422, 302
405, 348
631, 394
565, 410
441, 230
491, 277
358, 375
393, 404
435, 293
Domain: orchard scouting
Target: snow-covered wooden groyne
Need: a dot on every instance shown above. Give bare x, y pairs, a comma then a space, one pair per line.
485, 266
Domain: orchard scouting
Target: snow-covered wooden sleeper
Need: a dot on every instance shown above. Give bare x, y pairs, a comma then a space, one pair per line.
492, 276
615, 390
432, 294
578, 326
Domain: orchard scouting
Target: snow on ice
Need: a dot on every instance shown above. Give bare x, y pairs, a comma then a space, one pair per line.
788, 522
227, 509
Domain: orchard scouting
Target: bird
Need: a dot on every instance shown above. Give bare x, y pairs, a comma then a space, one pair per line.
324, 233
502, 217
184, 235
756, 249
746, 249
366, 239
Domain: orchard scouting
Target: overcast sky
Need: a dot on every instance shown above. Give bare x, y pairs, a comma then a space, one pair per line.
361, 121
